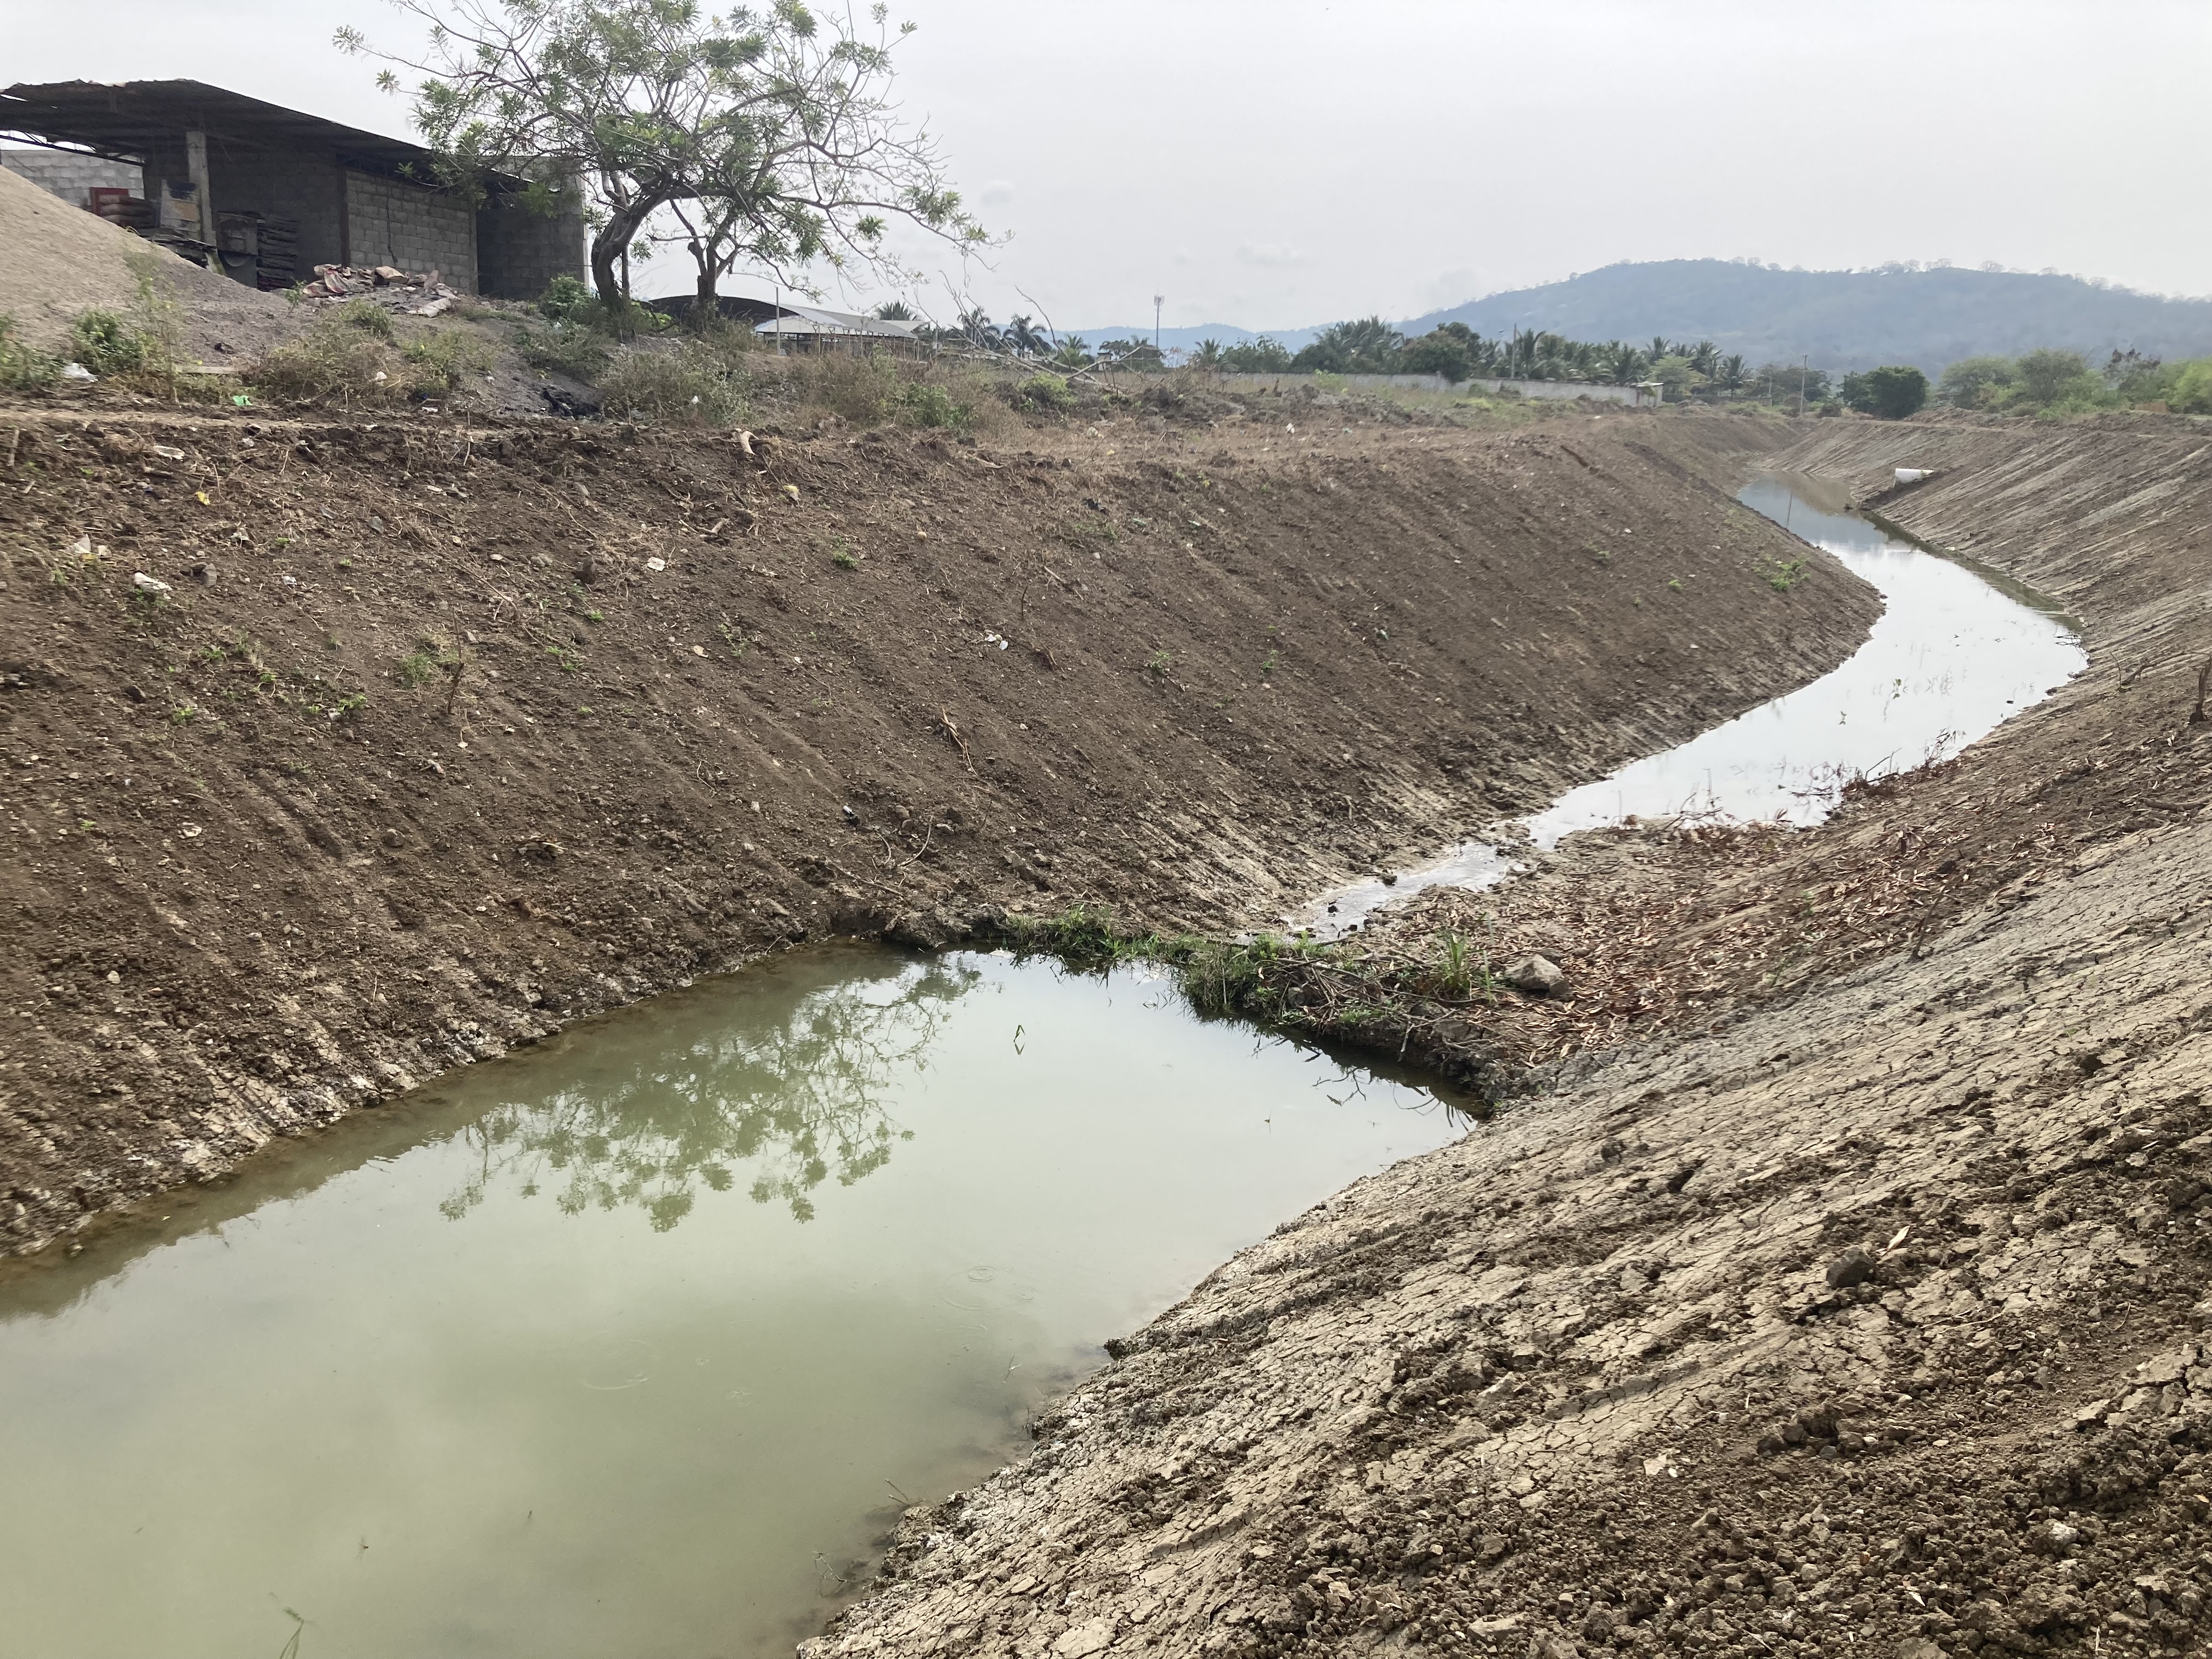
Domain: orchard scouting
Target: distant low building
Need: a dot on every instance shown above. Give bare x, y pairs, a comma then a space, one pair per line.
792, 327
265, 193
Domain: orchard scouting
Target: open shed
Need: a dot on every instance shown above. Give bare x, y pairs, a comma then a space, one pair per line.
266, 193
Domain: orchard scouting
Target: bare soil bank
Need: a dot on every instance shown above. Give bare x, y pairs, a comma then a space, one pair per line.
273, 862
1870, 1314
1664, 929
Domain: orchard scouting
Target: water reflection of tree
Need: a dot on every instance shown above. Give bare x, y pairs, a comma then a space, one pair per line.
797, 1099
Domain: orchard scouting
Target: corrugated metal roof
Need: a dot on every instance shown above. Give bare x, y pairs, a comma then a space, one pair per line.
814, 319
123, 119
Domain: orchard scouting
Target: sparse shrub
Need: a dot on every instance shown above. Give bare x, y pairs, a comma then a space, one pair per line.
567, 300
1160, 663
333, 361
926, 405
691, 385
1218, 977
440, 357
569, 349
21, 367
1782, 574
417, 668
364, 317
1048, 393
860, 389
106, 345
346, 358
2192, 392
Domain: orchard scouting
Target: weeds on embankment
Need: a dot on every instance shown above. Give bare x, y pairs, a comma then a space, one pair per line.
1416, 1009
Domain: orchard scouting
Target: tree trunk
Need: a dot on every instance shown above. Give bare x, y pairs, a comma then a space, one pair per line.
620, 230
706, 305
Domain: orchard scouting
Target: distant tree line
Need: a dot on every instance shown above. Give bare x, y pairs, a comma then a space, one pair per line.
2055, 382
2044, 381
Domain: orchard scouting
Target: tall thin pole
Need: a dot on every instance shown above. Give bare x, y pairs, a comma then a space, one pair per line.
1804, 374
1158, 300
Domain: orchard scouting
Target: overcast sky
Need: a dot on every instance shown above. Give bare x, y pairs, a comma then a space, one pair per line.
1291, 163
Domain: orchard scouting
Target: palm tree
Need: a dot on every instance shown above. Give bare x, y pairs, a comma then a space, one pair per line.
975, 328
895, 311
1729, 373
1022, 337
1208, 354
1659, 348
1704, 357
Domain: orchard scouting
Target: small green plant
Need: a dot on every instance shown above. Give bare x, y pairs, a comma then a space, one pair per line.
22, 368
183, 715
924, 405
1782, 576
442, 356
568, 661
417, 668
363, 317
347, 707
106, 345
1674, 584
1454, 975
1269, 663
1160, 663
841, 554
1045, 392
595, 615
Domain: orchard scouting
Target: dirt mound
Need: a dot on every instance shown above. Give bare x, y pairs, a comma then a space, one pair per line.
57, 260
440, 736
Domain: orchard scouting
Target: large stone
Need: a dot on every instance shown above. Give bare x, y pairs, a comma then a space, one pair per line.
1540, 976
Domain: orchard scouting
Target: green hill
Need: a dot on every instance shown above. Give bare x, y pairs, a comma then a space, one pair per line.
1845, 320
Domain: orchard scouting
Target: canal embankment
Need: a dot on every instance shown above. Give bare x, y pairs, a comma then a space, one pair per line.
1852, 1287
342, 753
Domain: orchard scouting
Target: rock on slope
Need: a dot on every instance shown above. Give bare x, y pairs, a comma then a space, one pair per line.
1871, 1318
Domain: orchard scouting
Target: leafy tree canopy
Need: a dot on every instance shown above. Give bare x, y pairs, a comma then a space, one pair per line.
769, 127
1892, 391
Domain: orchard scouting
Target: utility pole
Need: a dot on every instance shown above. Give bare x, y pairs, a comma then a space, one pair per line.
1158, 300
1804, 374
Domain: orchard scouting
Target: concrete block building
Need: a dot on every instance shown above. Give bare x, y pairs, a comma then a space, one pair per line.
263, 178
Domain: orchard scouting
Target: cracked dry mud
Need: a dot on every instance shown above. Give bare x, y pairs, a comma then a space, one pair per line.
1865, 1319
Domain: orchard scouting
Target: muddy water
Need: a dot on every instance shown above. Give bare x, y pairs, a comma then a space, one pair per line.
632, 1343
1955, 653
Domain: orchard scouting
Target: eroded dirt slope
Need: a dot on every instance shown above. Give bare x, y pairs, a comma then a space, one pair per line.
272, 861
1870, 1314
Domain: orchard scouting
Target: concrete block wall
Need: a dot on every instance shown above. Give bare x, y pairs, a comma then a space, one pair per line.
519, 252
73, 177
306, 188
389, 223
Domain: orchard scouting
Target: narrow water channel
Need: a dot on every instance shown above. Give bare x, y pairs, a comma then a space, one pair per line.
630, 1345
1956, 652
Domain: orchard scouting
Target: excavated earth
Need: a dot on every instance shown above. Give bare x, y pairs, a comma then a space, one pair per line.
339, 753
1841, 1287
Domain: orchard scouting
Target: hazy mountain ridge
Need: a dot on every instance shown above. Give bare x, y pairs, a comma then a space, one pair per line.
1842, 319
